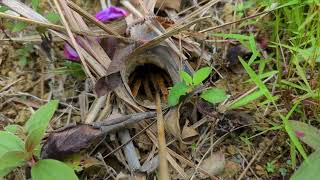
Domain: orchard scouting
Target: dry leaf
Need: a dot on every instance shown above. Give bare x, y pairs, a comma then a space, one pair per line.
70, 140
162, 4
172, 122
214, 164
231, 169
107, 84
168, 4
188, 134
150, 166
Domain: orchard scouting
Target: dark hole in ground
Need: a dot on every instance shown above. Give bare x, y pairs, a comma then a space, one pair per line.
146, 79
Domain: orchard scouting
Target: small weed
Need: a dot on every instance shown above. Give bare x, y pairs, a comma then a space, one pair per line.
283, 171
24, 53
189, 84
270, 167
193, 146
19, 146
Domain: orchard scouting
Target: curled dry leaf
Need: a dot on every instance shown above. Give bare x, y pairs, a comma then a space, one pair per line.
160, 57
214, 164
107, 84
112, 80
188, 134
151, 165
172, 122
68, 141
206, 108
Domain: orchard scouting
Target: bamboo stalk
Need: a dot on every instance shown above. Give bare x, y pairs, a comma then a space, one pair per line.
163, 167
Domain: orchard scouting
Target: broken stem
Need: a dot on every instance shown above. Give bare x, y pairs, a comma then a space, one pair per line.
163, 167
126, 119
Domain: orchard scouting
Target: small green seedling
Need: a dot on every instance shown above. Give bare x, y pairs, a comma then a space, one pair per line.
24, 53
19, 146
270, 167
212, 95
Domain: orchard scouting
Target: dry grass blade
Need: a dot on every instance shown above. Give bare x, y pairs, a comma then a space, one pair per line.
23, 9
52, 26
89, 17
73, 40
178, 27
128, 5
163, 168
173, 31
234, 22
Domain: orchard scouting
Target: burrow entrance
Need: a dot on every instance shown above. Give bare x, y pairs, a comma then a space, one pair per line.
146, 79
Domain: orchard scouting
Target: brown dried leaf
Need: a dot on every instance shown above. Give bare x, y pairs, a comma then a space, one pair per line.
162, 4
69, 141
107, 84
172, 122
214, 164
188, 134
165, 4
231, 169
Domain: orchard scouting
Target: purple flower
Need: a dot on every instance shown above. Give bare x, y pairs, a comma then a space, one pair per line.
70, 53
111, 13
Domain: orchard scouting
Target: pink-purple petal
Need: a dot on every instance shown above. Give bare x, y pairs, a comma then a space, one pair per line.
70, 53
111, 13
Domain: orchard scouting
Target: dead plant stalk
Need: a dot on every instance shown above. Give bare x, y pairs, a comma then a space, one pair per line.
163, 168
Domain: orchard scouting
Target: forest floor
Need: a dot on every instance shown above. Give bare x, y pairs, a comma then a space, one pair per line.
265, 56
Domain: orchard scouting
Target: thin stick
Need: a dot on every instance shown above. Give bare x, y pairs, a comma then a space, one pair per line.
52, 26
234, 22
89, 17
249, 165
125, 118
163, 167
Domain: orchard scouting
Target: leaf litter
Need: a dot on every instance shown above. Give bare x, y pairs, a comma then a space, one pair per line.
134, 62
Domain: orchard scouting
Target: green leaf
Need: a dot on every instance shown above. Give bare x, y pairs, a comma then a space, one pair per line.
23, 61
3, 8
19, 26
186, 77
38, 123
178, 90
53, 17
201, 75
34, 139
263, 88
292, 134
42, 116
50, 169
306, 133
233, 36
10, 142
214, 95
14, 129
11, 160
35, 4
309, 170
246, 99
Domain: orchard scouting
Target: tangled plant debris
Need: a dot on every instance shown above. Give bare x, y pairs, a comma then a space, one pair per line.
201, 89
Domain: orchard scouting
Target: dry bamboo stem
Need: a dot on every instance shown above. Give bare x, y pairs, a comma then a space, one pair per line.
163, 167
